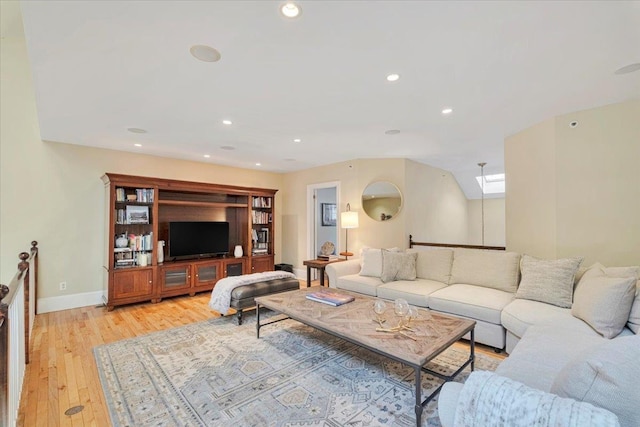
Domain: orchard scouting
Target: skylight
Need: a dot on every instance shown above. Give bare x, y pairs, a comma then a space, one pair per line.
493, 184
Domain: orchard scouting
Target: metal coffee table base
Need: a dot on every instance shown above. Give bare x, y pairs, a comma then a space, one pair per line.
420, 404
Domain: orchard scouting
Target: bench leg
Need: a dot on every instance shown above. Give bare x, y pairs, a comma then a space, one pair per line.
239, 317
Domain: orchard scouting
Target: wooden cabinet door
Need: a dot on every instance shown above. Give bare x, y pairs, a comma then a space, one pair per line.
175, 280
260, 264
206, 274
132, 284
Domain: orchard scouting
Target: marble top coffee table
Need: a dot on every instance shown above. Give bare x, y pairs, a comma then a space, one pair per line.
355, 322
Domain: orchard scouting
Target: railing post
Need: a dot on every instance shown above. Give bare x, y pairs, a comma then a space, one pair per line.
4, 356
34, 270
23, 267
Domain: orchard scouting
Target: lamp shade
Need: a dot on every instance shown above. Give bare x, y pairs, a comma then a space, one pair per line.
349, 219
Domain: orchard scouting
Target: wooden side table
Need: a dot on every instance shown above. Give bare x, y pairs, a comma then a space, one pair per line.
318, 264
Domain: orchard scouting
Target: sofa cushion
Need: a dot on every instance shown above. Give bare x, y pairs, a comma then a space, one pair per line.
398, 266
491, 269
542, 353
371, 261
433, 264
361, 284
604, 303
549, 281
606, 376
599, 270
520, 314
472, 301
416, 292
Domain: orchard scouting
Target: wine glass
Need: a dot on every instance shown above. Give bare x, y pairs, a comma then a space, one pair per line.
412, 313
400, 308
379, 307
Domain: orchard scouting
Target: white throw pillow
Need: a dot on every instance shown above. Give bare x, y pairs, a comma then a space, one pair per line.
599, 270
605, 376
371, 261
604, 303
549, 281
398, 266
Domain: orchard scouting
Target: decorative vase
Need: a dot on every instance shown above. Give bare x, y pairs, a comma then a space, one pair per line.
160, 251
237, 252
122, 241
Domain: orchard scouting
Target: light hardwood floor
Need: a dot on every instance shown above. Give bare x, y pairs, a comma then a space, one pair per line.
63, 374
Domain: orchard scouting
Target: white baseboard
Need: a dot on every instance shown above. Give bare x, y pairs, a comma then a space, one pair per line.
47, 305
301, 273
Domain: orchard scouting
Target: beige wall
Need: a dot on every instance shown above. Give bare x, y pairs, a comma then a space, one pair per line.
494, 230
436, 206
576, 191
64, 208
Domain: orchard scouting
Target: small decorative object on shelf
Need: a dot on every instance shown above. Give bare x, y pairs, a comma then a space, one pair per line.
237, 252
160, 251
122, 241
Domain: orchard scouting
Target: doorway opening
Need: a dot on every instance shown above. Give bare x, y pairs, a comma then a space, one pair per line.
322, 219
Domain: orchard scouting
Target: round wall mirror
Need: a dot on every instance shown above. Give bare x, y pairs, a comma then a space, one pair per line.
381, 200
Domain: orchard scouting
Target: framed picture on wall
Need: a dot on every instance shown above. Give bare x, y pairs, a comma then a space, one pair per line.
329, 214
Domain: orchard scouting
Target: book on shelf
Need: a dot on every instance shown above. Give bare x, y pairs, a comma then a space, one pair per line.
330, 297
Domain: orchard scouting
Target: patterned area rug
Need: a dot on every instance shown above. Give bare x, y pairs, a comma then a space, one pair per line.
215, 373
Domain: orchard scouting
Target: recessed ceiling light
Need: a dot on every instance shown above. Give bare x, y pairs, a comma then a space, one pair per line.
393, 77
628, 68
206, 156
258, 164
138, 145
447, 110
205, 53
392, 132
136, 130
227, 122
289, 160
290, 10
297, 140
228, 147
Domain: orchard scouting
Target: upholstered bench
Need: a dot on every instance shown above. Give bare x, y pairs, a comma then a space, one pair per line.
243, 296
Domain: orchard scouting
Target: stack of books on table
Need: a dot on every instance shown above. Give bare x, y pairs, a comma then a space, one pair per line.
330, 297
328, 257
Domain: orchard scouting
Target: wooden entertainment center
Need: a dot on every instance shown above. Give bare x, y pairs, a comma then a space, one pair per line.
139, 210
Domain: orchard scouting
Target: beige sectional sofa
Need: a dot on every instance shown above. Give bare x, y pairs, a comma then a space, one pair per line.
475, 284
569, 333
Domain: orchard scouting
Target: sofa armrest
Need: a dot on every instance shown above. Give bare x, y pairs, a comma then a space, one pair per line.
339, 269
447, 402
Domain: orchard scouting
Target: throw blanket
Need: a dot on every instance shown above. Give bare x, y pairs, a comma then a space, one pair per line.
489, 400
221, 294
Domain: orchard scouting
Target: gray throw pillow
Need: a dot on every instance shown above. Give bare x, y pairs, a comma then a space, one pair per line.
605, 376
549, 281
604, 303
398, 266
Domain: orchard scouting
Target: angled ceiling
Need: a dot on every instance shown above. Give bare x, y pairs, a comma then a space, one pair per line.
101, 67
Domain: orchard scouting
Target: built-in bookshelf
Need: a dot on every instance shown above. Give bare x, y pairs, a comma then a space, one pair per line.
139, 212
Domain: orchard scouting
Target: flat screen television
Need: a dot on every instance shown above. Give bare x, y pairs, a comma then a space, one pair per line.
192, 239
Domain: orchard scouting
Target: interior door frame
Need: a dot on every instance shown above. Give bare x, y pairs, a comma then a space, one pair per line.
312, 211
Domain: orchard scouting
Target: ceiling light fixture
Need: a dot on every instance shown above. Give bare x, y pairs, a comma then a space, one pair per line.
447, 110
297, 140
138, 145
393, 77
206, 156
205, 53
228, 147
628, 68
258, 164
227, 122
391, 132
136, 130
290, 10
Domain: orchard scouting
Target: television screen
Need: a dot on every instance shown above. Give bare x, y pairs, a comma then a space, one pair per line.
196, 239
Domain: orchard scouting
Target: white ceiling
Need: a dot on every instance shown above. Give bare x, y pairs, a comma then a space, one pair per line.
100, 67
